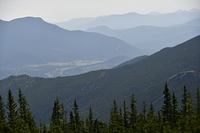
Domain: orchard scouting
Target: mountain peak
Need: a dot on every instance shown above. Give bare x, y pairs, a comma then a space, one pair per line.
28, 20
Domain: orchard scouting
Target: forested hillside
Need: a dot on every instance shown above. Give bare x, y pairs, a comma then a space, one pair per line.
178, 66
125, 118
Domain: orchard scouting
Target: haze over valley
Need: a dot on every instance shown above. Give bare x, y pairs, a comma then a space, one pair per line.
42, 49
99, 66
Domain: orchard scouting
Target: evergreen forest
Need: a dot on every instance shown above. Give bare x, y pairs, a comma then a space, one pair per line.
16, 117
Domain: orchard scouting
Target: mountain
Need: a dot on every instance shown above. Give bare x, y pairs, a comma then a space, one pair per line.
132, 61
32, 41
130, 20
195, 22
150, 38
73, 24
179, 66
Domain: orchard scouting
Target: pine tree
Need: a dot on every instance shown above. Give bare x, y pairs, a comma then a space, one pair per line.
167, 106
77, 118
3, 124
186, 122
133, 113
96, 126
72, 123
184, 101
175, 113
43, 128
198, 102
56, 117
151, 126
141, 120
12, 113
144, 110
125, 117
116, 121
64, 119
90, 120
25, 115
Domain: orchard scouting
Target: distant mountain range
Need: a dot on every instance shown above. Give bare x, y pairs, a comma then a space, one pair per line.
150, 39
31, 41
179, 66
130, 20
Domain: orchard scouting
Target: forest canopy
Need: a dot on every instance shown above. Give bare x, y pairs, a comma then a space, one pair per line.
16, 117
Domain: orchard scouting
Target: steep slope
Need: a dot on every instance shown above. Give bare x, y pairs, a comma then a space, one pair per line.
129, 20
30, 41
151, 39
179, 66
132, 61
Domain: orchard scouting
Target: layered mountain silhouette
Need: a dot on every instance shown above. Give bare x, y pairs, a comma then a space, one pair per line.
131, 20
32, 41
150, 39
178, 66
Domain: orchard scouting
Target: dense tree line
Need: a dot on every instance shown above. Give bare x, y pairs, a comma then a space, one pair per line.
16, 117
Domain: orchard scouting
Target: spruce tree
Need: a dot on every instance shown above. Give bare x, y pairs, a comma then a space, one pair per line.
167, 106
115, 122
25, 115
90, 120
12, 112
3, 124
144, 110
151, 125
64, 119
198, 102
125, 118
175, 114
77, 118
133, 113
72, 123
56, 117
2, 112
184, 101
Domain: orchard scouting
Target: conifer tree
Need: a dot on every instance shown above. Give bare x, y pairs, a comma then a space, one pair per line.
175, 113
72, 124
96, 126
167, 106
3, 124
186, 122
2, 112
198, 102
90, 120
12, 113
144, 110
133, 113
151, 125
64, 119
115, 122
77, 118
184, 101
56, 117
43, 128
25, 115
125, 118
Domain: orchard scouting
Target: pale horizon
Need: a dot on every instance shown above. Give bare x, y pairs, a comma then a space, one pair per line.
65, 10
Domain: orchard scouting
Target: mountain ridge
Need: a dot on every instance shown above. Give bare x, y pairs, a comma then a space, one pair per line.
132, 19
98, 89
35, 41
150, 39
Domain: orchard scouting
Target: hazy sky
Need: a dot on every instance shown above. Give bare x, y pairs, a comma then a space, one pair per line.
62, 10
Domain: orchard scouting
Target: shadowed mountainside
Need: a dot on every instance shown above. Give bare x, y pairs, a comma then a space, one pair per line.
179, 66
